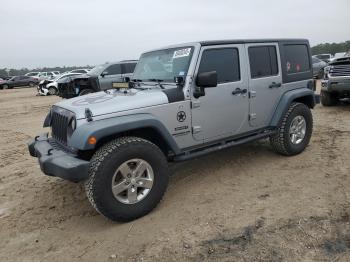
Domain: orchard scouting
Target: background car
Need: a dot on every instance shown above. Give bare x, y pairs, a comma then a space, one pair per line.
50, 87
317, 67
33, 74
324, 57
99, 78
80, 71
18, 81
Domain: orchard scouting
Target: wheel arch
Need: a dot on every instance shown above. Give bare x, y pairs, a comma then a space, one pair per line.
140, 125
302, 95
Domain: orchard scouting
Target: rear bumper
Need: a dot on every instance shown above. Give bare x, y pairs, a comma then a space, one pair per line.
58, 163
336, 85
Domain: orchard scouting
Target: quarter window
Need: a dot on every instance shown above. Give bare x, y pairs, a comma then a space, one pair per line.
224, 61
263, 61
297, 59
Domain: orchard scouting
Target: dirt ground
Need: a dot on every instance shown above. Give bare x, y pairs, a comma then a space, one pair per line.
240, 204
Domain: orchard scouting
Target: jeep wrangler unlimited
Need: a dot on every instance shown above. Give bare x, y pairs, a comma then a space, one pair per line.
336, 83
183, 101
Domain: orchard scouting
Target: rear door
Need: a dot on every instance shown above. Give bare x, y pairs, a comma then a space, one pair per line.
114, 74
265, 82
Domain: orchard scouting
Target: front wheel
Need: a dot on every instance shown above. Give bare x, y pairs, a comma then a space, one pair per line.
52, 91
128, 177
294, 132
328, 99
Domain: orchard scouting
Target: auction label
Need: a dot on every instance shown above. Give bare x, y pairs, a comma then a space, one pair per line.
182, 53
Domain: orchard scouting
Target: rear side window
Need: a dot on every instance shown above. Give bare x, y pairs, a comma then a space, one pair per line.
129, 68
297, 59
263, 61
224, 61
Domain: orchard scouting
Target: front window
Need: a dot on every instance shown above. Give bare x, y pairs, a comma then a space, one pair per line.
164, 65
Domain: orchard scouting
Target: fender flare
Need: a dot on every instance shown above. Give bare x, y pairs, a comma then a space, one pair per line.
286, 100
112, 126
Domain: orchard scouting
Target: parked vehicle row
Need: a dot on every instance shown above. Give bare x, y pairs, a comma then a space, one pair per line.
182, 102
18, 81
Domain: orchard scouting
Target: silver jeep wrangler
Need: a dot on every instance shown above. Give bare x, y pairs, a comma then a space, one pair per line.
182, 102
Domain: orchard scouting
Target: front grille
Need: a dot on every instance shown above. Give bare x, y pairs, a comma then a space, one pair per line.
60, 119
339, 70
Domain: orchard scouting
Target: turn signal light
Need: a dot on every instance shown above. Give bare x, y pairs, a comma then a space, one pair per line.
92, 140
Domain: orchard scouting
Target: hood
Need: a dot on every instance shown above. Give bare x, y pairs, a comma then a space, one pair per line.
113, 101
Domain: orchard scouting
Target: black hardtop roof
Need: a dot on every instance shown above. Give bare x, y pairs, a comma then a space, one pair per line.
247, 41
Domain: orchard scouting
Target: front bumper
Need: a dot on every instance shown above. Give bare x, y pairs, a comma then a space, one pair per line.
336, 85
56, 162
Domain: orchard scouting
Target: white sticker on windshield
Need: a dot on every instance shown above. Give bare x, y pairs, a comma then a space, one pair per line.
181, 73
182, 53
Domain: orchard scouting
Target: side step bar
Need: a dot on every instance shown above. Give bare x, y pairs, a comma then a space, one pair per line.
222, 145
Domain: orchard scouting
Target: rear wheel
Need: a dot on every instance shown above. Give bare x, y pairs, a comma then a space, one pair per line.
85, 92
52, 91
128, 177
294, 133
328, 99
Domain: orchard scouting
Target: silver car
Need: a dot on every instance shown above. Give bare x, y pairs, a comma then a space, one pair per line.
317, 67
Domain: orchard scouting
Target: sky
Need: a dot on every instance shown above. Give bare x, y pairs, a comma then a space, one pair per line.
41, 33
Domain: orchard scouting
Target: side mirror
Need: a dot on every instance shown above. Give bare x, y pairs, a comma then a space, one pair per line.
179, 81
104, 73
207, 79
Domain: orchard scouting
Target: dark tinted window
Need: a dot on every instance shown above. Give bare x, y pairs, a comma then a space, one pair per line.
297, 59
263, 61
129, 68
80, 71
224, 61
114, 69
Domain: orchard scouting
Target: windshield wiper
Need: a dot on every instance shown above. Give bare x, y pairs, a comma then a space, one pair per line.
158, 82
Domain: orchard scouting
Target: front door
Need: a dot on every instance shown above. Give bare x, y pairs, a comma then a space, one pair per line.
265, 82
113, 74
223, 110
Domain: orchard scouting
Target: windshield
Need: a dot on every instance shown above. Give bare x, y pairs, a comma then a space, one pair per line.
163, 65
97, 70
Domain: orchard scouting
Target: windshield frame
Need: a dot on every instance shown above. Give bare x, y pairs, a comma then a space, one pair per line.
172, 48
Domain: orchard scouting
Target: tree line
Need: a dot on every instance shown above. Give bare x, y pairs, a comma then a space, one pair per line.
331, 48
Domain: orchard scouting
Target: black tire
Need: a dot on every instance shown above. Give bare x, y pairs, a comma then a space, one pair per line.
5, 86
52, 91
328, 99
85, 92
281, 141
103, 166
31, 84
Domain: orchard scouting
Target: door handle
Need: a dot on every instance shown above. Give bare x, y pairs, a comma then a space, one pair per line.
238, 91
275, 85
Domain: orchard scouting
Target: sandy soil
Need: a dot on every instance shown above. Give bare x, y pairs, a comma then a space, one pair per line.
240, 204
